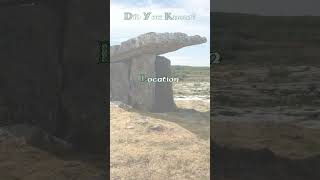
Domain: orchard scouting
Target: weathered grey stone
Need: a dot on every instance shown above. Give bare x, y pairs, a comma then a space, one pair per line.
142, 93
119, 82
38, 137
126, 85
151, 96
163, 101
153, 43
140, 55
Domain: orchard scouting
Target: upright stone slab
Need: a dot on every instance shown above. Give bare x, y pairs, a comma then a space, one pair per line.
151, 96
163, 100
119, 81
142, 93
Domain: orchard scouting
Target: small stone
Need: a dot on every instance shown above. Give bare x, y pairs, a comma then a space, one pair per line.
156, 128
130, 127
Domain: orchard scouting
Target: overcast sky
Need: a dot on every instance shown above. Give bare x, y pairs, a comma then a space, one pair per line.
197, 55
269, 7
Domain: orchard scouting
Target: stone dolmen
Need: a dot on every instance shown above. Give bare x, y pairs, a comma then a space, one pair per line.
140, 77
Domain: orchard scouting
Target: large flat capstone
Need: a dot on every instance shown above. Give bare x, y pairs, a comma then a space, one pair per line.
153, 43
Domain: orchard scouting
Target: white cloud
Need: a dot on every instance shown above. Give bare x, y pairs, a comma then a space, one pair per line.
200, 7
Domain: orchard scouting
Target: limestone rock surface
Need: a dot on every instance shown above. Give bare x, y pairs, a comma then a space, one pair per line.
153, 43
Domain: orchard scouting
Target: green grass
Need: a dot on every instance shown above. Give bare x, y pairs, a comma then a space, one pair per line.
190, 73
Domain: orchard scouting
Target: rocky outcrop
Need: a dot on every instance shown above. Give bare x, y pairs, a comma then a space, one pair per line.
243, 164
139, 56
37, 137
21, 160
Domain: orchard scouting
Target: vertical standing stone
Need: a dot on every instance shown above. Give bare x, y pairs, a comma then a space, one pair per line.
151, 96
119, 81
163, 100
142, 93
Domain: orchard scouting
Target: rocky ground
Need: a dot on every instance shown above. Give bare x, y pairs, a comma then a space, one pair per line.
21, 161
265, 103
173, 145
156, 146
264, 117
267, 120
270, 107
